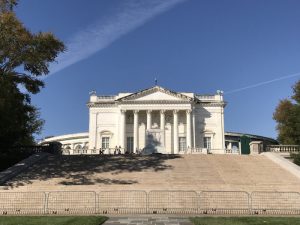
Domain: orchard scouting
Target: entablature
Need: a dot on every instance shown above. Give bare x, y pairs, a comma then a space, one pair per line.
155, 106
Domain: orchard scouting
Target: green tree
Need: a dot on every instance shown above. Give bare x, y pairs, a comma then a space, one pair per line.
24, 58
287, 116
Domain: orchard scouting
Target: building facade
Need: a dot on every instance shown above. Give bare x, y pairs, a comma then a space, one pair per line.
156, 120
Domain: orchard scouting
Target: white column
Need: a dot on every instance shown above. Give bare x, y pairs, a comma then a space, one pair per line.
96, 132
123, 129
162, 119
222, 124
149, 119
175, 129
135, 130
194, 129
188, 129
162, 126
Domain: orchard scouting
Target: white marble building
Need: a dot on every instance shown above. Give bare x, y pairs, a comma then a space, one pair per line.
151, 120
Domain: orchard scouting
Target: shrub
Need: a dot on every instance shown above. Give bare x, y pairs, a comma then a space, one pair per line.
296, 158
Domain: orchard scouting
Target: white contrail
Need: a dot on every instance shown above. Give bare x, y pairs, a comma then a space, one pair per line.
262, 83
130, 15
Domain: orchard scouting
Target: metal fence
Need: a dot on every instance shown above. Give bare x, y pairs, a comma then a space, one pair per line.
275, 202
120, 202
153, 202
22, 203
224, 202
172, 202
71, 202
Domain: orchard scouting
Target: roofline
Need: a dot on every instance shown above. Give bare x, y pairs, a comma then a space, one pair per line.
158, 87
66, 137
250, 135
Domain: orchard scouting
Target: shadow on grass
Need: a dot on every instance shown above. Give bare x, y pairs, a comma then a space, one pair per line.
80, 169
51, 220
245, 220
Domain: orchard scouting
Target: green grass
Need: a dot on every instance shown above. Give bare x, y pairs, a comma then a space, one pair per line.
52, 220
246, 220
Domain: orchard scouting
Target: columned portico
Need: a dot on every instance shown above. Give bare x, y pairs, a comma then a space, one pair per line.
175, 131
138, 121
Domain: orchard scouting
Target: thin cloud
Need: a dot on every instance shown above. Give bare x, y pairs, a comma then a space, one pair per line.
100, 35
262, 83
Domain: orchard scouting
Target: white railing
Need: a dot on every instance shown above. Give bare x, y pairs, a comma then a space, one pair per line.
116, 151
194, 151
206, 97
232, 151
106, 151
283, 148
106, 97
80, 151
198, 150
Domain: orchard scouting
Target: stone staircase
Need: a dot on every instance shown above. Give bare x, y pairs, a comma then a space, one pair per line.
155, 172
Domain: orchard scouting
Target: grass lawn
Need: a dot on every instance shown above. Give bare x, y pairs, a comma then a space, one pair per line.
246, 220
52, 220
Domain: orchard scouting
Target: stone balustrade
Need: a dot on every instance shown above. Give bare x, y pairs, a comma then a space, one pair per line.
283, 148
105, 97
113, 151
232, 151
206, 97
108, 151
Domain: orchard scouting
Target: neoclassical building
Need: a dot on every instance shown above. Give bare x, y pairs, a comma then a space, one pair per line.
154, 120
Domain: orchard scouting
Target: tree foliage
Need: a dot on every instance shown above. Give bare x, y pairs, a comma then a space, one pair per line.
287, 116
24, 58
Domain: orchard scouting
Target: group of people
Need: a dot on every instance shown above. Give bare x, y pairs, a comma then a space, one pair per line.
118, 151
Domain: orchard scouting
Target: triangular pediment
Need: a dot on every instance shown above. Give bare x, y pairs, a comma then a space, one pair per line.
156, 93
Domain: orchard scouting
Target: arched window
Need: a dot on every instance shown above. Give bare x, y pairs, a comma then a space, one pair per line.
78, 149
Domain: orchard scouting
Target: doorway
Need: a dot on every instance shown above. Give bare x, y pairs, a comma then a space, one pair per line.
129, 148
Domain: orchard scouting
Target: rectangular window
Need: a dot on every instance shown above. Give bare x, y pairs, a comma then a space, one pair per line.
105, 142
182, 143
207, 142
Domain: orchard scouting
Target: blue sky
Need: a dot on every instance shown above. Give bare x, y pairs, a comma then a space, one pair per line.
189, 45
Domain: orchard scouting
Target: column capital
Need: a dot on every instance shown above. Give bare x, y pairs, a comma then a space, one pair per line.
175, 111
136, 111
148, 111
188, 111
162, 111
123, 111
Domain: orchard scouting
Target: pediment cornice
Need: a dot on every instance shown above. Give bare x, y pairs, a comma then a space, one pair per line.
102, 105
145, 102
223, 104
140, 94
149, 102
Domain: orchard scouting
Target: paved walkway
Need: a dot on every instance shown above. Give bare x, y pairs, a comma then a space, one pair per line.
153, 220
